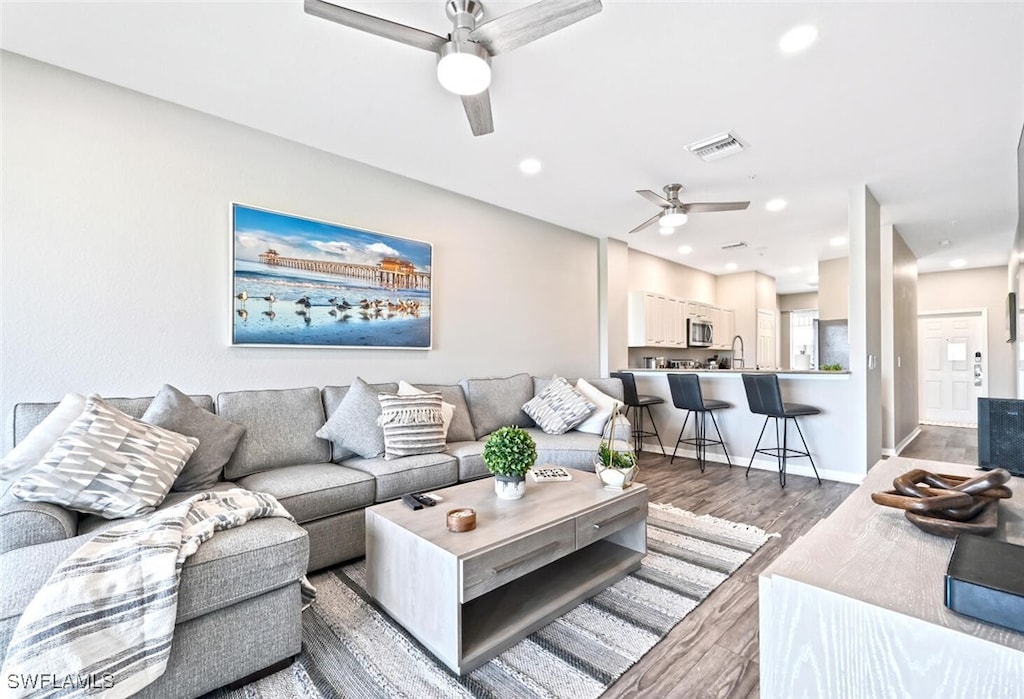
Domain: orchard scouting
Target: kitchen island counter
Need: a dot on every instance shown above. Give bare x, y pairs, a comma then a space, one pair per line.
829, 437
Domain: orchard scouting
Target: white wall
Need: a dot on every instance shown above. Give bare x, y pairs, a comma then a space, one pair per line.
115, 246
650, 273
834, 289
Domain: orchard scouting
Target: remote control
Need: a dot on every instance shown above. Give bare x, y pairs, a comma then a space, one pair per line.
411, 502
425, 500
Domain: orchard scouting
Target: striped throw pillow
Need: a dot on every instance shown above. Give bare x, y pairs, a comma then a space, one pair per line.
559, 407
108, 463
412, 424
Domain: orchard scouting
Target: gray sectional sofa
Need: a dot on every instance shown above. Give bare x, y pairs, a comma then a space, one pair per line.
246, 580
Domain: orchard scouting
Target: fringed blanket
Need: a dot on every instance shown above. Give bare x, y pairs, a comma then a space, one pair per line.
102, 624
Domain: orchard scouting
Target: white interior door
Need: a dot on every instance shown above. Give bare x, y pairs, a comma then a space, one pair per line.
766, 339
952, 379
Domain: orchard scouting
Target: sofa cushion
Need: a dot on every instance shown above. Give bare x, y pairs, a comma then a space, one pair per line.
280, 429
218, 437
412, 424
471, 459
353, 424
495, 403
559, 407
30, 523
461, 427
572, 449
313, 491
31, 450
410, 474
333, 397
604, 407
108, 463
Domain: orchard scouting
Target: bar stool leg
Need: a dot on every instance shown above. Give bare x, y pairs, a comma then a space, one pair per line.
654, 426
701, 444
686, 419
784, 452
636, 415
759, 437
719, 433
809, 457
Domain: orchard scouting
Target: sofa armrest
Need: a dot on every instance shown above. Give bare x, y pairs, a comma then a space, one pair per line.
29, 523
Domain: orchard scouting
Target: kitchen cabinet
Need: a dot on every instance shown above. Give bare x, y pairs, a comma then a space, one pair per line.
655, 320
658, 320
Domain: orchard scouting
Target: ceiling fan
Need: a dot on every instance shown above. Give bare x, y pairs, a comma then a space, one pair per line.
674, 212
464, 56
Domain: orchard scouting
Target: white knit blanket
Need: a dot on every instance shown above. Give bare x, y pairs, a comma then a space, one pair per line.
102, 624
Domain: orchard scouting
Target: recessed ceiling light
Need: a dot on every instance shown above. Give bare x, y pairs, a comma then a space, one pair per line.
666, 230
776, 205
958, 262
798, 38
837, 242
731, 266
530, 166
793, 270
685, 249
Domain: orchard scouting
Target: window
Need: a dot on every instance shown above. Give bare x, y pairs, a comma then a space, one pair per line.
803, 339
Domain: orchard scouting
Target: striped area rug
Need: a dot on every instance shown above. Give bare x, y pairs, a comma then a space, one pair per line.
350, 649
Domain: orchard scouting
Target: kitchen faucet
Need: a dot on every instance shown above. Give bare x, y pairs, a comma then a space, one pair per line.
738, 359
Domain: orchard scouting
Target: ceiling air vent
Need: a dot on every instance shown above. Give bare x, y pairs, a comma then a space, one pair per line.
734, 246
716, 147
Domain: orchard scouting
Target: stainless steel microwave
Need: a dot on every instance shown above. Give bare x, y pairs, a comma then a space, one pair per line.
699, 333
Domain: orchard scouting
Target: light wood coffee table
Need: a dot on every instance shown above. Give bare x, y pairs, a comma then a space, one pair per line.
468, 596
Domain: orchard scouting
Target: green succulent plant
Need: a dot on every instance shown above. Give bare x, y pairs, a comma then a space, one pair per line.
832, 367
615, 459
510, 451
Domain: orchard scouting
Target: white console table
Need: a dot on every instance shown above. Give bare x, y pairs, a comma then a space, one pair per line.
854, 608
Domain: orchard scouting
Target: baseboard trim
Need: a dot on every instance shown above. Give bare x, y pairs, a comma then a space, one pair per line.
793, 468
907, 440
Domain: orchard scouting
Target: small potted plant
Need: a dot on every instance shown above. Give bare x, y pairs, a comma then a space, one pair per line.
509, 453
615, 463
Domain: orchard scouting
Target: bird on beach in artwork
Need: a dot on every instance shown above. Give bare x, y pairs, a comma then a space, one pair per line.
270, 299
270, 314
243, 314
242, 297
303, 300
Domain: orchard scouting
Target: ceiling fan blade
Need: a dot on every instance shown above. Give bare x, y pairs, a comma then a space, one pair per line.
704, 207
654, 198
478, 109
512, 30
646, 223
376, 25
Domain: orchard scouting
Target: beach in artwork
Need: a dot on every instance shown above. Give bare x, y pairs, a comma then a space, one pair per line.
303, 282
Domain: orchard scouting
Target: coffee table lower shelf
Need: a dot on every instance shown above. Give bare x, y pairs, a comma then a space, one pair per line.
499, 619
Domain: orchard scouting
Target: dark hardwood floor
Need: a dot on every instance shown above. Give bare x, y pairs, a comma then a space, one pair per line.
714, 651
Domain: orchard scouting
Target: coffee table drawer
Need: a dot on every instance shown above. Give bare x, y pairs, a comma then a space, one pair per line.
596, 525
491, 569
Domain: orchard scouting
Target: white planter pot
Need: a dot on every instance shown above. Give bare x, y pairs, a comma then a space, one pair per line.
509, 487
615, 478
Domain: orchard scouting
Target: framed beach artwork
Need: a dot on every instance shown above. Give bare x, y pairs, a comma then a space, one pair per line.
299, 282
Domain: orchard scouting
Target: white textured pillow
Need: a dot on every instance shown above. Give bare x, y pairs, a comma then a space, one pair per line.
604, 404
108, 463
559, 407
31, 450
447, 409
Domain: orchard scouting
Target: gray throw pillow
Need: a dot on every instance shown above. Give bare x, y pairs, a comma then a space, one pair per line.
495, 403
353, 424
412, 424
108, 463
559, 407
218, 437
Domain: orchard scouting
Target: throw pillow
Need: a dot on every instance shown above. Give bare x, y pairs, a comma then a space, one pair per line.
495, 403
353, 424
108, 463
447, 409
559, 407
604, 404
31, 450
218, 437
412, 424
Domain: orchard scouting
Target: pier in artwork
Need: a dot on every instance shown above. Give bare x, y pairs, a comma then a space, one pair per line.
388, 273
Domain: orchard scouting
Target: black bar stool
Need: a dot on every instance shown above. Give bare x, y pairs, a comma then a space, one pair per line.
635, 407
765, 398
686, 395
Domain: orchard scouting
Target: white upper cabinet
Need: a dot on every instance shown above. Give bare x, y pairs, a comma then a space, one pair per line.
657, 320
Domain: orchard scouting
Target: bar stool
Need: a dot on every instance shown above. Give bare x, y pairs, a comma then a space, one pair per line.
635, 407
765, 398
686, 395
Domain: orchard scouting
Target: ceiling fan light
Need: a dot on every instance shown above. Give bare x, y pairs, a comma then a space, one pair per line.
672, 219
464, 69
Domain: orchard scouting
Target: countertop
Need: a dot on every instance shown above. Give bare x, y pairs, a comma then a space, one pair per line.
813, 372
